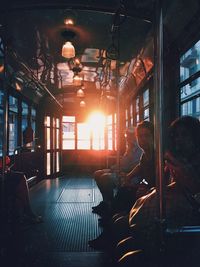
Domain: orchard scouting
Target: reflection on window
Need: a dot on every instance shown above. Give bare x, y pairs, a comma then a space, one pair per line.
189, 93
146, 98
190, 62
83, 136
68, 126
146, 114
190, 89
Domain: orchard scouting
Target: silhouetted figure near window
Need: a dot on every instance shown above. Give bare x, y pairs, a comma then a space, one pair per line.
143, 175
107, 179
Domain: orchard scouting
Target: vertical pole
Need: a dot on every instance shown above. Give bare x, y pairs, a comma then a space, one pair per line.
158, 117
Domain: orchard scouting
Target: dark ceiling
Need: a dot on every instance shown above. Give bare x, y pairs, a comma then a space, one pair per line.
33, 31
34, 34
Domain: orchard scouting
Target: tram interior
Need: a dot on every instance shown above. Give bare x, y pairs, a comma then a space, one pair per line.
63, 111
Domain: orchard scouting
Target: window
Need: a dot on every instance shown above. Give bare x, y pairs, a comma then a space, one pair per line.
57, 145
146, 105
33, 118
83, 136
97, 125
57, 133
24, 116
98, 132
190, 91
48, 136
190, 62
48, 163
137, 109
13, 123
68, 126
110, 132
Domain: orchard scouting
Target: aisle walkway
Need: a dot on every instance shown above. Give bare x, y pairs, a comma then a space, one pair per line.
61, 240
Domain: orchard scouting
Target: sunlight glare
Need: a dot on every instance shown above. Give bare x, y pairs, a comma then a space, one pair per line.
96, 122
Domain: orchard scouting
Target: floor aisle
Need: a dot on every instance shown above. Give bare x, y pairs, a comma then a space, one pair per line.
61, 240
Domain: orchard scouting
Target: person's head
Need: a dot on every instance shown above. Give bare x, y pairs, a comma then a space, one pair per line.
184, 135
145, 133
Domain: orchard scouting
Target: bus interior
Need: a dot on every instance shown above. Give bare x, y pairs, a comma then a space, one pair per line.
73, 76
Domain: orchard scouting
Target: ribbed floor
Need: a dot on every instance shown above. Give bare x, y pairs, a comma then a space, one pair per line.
66, 205
62, 239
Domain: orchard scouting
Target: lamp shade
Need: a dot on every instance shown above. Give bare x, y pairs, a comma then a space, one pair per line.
80, 93
68, 50
82, 104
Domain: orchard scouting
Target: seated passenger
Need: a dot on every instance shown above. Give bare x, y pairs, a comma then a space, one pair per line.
18, 193
144, 172
182, 203
107, 179
141, 178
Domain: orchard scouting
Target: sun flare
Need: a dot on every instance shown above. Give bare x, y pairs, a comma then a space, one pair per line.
96, 123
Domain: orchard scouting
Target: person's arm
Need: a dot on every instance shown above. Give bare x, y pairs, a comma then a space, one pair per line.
133, 175
130, 160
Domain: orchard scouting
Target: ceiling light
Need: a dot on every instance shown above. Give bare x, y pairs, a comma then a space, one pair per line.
68, 21
68, 50
82, 104
80, 93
